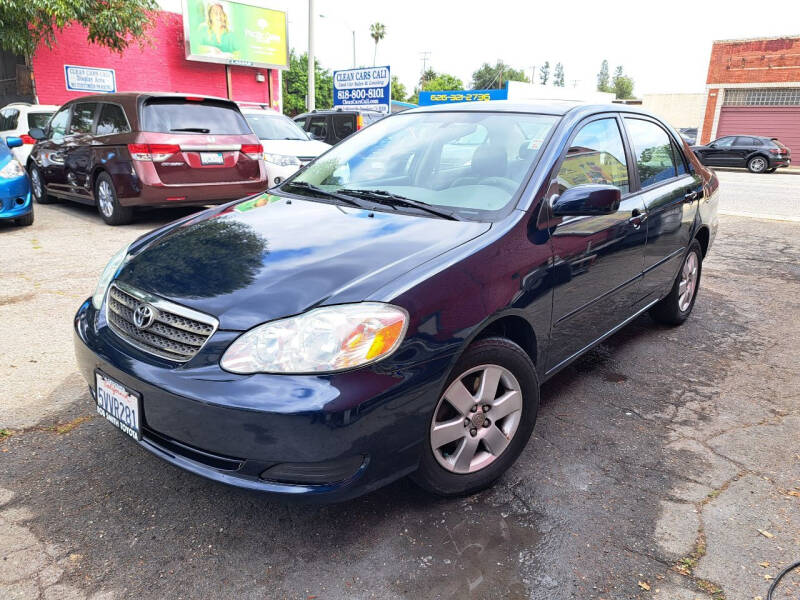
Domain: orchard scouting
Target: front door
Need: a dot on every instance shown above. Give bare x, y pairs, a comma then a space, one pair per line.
718, 153
597, 259
50, 152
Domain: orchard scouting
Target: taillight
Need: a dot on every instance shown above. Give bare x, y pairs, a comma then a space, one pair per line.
26, 139
252, 150
153, 152
359, 122
774, 151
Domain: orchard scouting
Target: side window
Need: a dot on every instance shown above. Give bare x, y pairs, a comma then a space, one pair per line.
318, 127
747, 141
112, 120
343, 125
301, 123
83, 118
680, 161
9, 118
458, 153
725, 142
58, 125
596, 155
653, 151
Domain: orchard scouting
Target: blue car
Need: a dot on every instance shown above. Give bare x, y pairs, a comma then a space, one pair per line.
393, 308
15, 190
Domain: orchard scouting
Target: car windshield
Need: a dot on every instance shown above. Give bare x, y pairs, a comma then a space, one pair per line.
274, 127
470, 163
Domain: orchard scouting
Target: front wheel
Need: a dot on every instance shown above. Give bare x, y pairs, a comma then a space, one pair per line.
108, 205
482, 420
676, 306
757, 164
38, 186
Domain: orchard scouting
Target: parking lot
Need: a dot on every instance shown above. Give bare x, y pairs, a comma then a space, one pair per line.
664, 463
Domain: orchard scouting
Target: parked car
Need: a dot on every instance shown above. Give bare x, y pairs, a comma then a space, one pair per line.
756, 153
120, 151
689, 134
332, 126
286, 147
18, 118
374, 318
15, 192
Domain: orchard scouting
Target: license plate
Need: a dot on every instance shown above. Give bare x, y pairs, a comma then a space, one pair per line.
211, 158
119, 405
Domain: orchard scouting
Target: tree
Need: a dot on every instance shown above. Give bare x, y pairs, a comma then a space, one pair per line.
436, 82
398, 89
603, 78
25, 24
544, 72
622, 85
295, 85
489, 77
558, 75
377, 32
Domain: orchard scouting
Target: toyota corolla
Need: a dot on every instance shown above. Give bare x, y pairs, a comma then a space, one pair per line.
393, 308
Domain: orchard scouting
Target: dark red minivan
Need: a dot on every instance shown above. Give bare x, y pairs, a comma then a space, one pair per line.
119, 151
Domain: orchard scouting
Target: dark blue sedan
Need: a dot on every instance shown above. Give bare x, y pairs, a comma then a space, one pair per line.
393, 308
15, 191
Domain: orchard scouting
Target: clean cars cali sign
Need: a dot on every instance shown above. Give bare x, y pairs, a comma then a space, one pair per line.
90, 79
366, 88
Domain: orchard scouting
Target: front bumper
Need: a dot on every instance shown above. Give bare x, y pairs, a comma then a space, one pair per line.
232, 428
15, 198
279, 172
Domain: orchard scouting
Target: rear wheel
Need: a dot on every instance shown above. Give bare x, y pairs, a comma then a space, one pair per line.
676, 306
482, 421
38, 186
757, 164
108, 205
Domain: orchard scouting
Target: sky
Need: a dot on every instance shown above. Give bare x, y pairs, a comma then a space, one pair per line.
663, 46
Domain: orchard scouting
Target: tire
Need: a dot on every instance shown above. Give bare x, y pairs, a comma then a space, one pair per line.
112, 212
38, 188
675, 307
757, 164
448, 470
27, 220
772, 170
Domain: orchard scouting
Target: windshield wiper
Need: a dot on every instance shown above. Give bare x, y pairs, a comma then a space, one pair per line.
302, 185
192, 129
395, 200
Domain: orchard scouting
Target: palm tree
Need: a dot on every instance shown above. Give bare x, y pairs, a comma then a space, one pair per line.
377, 31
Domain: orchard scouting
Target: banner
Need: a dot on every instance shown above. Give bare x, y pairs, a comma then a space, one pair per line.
367, 88
450, 96
234, 33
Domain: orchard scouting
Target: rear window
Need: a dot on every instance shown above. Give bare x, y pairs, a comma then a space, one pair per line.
343, 125
39, 119
177, 115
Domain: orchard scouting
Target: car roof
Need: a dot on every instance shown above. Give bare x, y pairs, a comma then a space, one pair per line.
336, 111
30, 107
129, 96
260, 111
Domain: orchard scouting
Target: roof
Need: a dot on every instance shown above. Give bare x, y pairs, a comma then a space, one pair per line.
758, 39
129, 96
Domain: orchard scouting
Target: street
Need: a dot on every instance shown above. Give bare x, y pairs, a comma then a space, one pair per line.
664, 463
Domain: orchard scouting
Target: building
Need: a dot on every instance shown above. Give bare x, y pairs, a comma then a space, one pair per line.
159, 63
753, 87
682, 111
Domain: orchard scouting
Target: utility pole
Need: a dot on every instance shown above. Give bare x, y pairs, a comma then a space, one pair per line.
310, 105
354, 48
425, 57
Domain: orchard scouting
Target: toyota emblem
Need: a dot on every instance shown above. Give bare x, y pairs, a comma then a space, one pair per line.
143, 316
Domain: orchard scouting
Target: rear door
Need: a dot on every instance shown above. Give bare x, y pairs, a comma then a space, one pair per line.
318, 128
78, 151
344, 124
194, 140
743, 147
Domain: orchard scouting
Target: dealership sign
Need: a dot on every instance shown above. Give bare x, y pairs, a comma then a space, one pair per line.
235, 33
89, 79
450, 96
366, 88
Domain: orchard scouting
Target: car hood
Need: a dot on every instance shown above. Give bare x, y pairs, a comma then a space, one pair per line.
270, 257
295, 147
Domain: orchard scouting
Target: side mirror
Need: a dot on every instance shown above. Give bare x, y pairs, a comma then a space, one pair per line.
712, 145
587, 200
13, 141
37, 133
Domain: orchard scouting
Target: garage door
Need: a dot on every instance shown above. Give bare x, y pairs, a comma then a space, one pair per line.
782, 122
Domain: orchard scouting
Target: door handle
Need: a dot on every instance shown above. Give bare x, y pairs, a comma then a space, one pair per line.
637, 218
691, 196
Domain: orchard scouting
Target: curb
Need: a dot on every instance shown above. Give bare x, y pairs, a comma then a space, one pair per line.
783, 171
766, 217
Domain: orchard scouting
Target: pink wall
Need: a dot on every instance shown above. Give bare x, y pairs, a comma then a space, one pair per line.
159, 66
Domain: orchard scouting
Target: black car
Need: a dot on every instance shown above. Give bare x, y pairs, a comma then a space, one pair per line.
756, 153
689, 134
332, 126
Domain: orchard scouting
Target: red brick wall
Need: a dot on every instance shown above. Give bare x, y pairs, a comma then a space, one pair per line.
708, 118
759, 61
157, 67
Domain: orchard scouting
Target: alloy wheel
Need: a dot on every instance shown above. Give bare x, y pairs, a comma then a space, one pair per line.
36, 182
688, 282
758, 164
105, 198
476, 419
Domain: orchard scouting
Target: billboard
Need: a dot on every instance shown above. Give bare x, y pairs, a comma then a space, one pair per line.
450, 96
234, 33
366, 88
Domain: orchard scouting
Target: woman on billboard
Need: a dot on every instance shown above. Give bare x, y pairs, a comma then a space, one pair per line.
214, 33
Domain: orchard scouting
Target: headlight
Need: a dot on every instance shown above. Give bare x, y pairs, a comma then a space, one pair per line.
325, 339
283, 160
113, 265
12, 169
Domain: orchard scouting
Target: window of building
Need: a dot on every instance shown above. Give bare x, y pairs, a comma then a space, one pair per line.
762, 97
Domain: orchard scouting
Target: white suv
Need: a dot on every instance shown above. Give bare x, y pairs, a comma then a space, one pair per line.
18, 118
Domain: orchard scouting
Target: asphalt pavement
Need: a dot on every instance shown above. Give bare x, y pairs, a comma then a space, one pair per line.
665, 463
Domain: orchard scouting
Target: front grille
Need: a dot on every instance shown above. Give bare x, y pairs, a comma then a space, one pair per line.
177, 333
